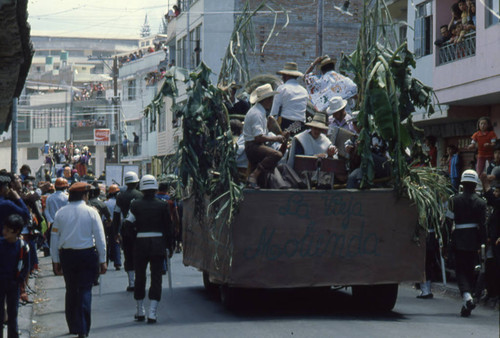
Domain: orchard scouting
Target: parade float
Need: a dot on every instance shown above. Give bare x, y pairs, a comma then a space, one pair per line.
369, 239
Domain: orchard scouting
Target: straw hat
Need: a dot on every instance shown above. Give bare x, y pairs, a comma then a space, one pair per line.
291, 69
319, 121
327, 60
335, 104
261, 93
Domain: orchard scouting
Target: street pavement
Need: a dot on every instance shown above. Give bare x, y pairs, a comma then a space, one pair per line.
189, 311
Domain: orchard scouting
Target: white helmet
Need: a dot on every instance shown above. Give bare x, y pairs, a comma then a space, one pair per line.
148, 182
131, 177
470, 176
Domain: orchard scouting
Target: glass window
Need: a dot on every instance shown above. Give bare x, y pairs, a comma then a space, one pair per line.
131, 89
492, 12
423, 29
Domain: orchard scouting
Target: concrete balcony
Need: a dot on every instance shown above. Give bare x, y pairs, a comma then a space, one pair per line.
451, 52
147, 62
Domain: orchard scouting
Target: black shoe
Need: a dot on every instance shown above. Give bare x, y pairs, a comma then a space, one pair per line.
464, 312
151, 321
140, 318
427, 296
130, 289
118, 267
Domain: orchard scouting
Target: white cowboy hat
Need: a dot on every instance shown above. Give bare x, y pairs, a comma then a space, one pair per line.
335, 104
262, 92
291, 69
319, 121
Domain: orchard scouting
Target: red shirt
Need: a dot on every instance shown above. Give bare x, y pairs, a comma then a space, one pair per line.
482, 138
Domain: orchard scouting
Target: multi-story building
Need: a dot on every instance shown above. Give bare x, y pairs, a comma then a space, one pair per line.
138, 84
465, 76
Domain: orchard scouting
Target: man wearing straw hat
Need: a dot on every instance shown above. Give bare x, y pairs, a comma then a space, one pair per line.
260, 157
290, 103
328, 84
312, 142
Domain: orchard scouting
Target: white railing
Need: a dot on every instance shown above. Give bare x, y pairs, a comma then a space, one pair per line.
451, 52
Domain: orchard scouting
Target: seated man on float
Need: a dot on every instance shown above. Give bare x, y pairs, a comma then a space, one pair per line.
312, 142
261, 157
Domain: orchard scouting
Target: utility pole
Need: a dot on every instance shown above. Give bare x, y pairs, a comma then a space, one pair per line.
319, 29
115, 107
188, 35
13, 152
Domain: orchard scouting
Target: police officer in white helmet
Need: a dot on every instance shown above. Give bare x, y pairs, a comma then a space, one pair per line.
469, 213
151, 219
123, 200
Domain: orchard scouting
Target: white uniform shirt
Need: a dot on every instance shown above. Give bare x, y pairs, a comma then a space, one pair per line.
255, 123
55, 202
292, 98
77, 226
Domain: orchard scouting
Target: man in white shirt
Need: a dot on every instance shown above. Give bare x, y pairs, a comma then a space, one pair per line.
290, 103
260, 157
76, 234
329, 84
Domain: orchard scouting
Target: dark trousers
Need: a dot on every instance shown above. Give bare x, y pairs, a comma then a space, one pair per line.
113, 248
144, 254
261, 156
128, 252
465, 261
79, 269
9, 291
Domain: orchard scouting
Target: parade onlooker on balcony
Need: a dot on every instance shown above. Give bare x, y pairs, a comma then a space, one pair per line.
471, 19
456, 15
464, 11
136, 143
484, 141
445, 36
125, 145
177, 10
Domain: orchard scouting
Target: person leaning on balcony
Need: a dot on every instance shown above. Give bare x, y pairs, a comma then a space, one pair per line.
471, 18
456, 15
445, 36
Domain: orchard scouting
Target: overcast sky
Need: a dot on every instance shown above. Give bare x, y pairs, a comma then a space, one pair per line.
109, 18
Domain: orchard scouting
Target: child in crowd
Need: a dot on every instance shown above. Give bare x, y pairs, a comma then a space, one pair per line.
14, 266
484, 140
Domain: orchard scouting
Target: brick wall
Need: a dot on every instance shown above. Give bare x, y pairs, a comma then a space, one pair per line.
298, 41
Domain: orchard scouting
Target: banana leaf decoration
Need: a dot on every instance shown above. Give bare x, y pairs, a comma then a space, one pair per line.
388, 95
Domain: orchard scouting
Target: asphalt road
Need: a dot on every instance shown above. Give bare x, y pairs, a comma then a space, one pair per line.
191, 312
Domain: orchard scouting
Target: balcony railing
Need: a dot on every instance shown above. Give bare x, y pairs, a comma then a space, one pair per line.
452, 52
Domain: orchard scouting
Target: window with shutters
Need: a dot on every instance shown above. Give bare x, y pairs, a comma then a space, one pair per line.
423, 29
492, 9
